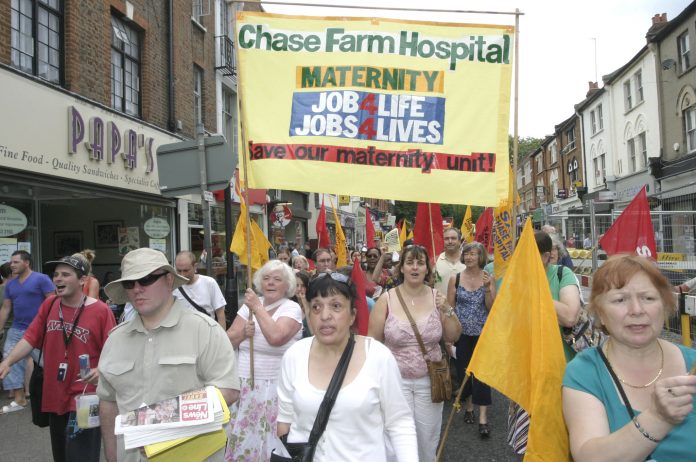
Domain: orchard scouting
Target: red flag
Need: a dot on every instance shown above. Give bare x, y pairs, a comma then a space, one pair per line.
633, 231
362, 313
369, 229
322, 231
428, 229
484, 229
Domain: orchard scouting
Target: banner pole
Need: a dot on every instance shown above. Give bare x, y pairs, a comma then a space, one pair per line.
456, 407
245, 198
515, 140
382, 8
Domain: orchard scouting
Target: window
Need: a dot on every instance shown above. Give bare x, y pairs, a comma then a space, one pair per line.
602, 166
598, 176
638, 80
125, 67
554, 153
197, 95
631, 146
643, 149
600, 118
36, 42
197, 10
684, 48
570, 136
229, 112
553, 179
540, 163
690, 128
628, 99
593, 122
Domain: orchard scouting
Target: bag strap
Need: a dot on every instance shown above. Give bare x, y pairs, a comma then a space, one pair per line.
329, 400
560, 273
45, 327
193, 304
627, 403
413, 324
456, 281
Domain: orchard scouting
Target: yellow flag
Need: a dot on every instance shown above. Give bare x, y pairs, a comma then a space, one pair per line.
341, 252
502, 239
410, 235
467, 226
520, 353
402, 233
259, 243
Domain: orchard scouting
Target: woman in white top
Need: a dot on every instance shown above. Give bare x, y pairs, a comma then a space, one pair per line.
276, 325
370, 407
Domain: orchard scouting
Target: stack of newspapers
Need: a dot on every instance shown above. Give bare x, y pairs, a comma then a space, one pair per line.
190, 414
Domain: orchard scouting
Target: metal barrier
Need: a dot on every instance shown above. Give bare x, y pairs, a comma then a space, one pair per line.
673, 214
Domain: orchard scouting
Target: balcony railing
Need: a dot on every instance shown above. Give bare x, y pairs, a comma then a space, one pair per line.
224, 58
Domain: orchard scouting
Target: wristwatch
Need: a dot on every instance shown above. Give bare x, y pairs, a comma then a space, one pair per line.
450, 312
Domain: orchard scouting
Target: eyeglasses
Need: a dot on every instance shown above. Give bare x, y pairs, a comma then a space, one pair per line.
144, 282
338, 277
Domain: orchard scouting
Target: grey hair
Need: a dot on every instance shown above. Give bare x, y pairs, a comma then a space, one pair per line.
276, 265
483, 254
557, 242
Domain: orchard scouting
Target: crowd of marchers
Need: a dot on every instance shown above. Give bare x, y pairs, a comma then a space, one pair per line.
303, 384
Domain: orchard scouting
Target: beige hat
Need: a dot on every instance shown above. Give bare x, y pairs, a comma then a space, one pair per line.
137, 264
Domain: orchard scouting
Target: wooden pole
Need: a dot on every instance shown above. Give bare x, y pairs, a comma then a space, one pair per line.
245, 198
456, 407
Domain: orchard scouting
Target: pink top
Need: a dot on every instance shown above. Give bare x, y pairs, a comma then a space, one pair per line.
400, 339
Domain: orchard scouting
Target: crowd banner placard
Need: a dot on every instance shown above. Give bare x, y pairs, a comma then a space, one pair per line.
373, 107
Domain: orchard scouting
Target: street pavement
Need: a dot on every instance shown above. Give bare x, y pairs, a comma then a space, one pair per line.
20, 440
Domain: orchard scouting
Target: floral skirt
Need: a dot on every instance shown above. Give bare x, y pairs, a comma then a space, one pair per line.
252, 429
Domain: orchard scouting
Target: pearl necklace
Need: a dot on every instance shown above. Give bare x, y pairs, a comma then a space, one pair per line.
659, 373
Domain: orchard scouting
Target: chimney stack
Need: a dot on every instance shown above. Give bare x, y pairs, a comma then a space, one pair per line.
659, 19
658, 22
594, 88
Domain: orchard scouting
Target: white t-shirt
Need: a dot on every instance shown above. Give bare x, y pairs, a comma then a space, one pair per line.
445, 270
367, 411
267, 357
205, 292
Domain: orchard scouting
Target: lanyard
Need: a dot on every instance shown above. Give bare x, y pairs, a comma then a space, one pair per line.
68, 337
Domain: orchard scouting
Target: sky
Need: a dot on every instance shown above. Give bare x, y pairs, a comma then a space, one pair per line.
557, 43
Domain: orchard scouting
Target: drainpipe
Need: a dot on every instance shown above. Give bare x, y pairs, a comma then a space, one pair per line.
170, 53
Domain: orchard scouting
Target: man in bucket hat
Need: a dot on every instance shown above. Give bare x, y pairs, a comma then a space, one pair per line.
67, 326
166, 350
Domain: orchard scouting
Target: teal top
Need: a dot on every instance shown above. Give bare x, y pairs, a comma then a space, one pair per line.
587, 373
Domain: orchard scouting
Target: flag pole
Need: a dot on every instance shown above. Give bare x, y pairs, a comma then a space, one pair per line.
245, 198
432, 236
456, 407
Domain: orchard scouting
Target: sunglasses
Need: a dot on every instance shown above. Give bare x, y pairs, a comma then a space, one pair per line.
144, 282
338, 277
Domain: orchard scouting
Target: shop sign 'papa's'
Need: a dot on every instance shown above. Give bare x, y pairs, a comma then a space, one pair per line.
105, 141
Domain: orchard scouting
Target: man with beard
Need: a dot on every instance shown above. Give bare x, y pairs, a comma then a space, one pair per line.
23, 295
67, 326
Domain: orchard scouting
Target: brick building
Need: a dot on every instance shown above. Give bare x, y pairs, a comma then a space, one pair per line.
90, 90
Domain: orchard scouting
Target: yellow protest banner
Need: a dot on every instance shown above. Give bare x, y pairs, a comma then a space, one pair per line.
329, 103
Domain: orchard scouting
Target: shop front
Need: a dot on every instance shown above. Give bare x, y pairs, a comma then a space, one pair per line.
77, 175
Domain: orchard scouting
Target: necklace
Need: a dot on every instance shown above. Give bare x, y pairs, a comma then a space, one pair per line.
659, 373
420, 290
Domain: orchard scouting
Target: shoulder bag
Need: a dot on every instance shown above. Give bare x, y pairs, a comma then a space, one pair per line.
193, 304
38, 417
439, 371
585, 333
304, 452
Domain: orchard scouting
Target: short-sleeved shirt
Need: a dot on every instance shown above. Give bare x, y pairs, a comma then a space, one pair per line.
27, 297
588, 373
205, 292
567, 279
93, 326
445, 270
188, 350
267, 357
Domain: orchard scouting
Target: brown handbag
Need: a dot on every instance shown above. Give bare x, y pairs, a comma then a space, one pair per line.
439, 371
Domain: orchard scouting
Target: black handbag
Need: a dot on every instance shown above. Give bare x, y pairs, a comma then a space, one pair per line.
304, 452
38, 417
